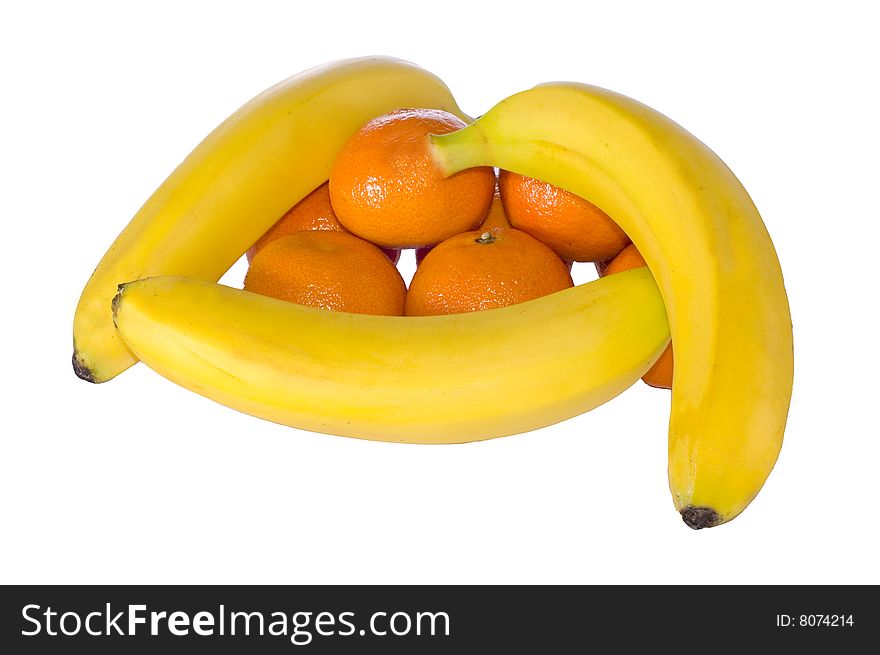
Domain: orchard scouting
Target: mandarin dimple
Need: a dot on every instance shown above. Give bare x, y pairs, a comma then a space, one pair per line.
495, 218
484, 269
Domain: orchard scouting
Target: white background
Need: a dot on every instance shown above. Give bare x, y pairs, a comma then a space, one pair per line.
138, 481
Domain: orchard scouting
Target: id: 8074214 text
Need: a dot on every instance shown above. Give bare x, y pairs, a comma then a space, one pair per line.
814, 620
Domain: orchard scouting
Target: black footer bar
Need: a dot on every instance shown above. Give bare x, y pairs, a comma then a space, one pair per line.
429, 619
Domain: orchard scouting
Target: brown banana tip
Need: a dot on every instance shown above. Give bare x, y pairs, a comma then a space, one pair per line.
697, 518
82, 371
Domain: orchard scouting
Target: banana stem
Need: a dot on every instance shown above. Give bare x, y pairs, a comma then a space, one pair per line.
459, 150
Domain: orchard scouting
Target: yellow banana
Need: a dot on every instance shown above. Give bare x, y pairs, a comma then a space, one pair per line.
434, 379
237, 182
709, 251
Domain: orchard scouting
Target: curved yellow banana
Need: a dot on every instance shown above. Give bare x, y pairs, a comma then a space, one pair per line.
709, 251
435, 379
237, 182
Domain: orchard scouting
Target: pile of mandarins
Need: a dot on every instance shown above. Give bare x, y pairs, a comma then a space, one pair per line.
482, 241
